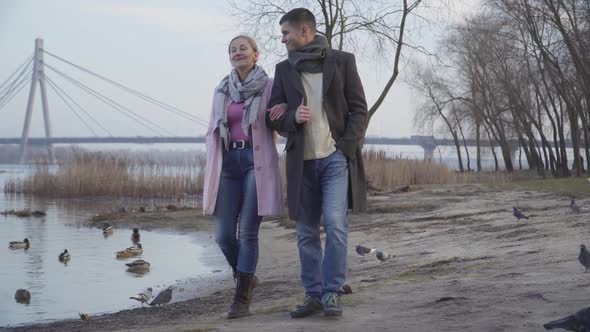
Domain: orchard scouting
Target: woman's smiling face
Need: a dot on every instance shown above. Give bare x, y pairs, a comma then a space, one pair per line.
242, 55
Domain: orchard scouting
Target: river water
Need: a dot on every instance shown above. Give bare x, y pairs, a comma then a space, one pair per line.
93, 281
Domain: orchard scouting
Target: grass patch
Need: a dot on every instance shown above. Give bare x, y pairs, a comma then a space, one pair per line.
572, 186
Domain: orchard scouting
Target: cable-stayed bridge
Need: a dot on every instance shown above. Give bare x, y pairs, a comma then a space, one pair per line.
36, 72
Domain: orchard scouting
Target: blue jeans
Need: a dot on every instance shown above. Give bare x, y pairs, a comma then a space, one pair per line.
324, 192
237, 205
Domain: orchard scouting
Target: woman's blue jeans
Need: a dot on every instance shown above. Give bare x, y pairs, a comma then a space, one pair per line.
236, 211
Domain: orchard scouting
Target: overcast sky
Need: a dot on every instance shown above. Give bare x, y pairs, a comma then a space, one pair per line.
174, 51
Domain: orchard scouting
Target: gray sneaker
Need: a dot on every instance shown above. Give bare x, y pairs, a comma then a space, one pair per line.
310, 306
332, 305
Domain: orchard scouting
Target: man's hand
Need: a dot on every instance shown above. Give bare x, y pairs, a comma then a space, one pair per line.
277, 111
303, 113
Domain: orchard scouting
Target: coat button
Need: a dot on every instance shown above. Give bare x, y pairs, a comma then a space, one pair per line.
259, 168
254, 127
257, 147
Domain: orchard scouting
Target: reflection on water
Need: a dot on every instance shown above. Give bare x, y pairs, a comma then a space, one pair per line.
93, 280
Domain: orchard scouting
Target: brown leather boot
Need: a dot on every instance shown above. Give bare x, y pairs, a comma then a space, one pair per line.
243, 296
253, 284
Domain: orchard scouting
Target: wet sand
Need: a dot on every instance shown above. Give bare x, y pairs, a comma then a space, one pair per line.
462, 263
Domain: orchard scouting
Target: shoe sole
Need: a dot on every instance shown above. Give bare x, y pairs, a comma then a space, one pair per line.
332, 313
306, 315
239, 316
316, 311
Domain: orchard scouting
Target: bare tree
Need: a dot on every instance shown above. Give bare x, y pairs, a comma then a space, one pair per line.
471, 49
439, 105
557, 32
374, 27
521, 68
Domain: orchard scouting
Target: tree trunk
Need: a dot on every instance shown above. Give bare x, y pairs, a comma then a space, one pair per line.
478, 146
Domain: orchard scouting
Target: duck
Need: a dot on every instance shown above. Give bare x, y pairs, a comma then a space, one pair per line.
64, 256
135, 237
22, 296
19, 244
39, 214
130, 252
106, 228
138, 265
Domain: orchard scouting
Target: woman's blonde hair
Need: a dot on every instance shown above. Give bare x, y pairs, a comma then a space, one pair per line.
249, 39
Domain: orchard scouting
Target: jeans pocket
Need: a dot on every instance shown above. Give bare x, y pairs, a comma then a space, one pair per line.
229, 164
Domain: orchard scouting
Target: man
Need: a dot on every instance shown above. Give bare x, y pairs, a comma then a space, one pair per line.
325, 122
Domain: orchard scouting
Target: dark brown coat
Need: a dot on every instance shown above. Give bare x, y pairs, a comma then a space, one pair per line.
346, 109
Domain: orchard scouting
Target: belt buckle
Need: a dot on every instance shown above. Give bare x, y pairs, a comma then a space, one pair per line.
240, 144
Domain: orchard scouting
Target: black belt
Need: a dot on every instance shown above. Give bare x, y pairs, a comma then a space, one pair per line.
239, 145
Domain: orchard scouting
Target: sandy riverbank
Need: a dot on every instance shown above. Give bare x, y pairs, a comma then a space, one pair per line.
459, 244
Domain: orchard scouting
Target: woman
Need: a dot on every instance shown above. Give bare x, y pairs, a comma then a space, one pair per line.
242, 177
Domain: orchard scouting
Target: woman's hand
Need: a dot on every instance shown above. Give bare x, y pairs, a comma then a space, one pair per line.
277, 111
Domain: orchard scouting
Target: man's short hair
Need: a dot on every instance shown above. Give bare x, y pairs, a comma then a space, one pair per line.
298, 17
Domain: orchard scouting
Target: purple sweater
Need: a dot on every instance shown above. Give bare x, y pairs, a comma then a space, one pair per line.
235, 112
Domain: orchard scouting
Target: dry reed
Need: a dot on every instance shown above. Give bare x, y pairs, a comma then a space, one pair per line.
389, 173
102, 174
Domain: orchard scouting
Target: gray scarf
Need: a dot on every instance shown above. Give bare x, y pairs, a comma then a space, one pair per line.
249, 91
309, 58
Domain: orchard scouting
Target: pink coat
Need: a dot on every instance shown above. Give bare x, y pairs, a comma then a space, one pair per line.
269, 188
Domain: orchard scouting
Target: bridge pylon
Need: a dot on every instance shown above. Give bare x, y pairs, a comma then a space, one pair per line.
38, 78
428, 144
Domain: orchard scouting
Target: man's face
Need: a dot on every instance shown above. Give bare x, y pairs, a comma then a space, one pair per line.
293, 36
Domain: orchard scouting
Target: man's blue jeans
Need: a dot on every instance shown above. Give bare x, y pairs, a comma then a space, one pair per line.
237, 205
324, 193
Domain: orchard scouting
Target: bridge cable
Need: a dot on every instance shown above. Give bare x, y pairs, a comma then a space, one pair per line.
117, 106
29, 59
52, 85
15, 83
138, 94
18, 89
79, 107
113, 104
10, 87
14, 90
